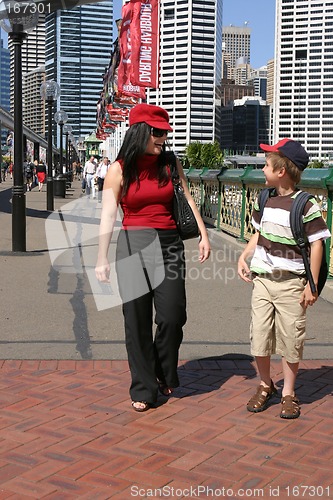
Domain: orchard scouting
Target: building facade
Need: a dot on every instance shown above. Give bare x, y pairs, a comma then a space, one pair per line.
4, 77
258, 78
190, 69
230, 91
303, 85
78, 48
33, 56
34, 106
245, 124
236, 45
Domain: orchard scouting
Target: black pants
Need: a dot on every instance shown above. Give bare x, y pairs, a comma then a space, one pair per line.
100, 183
157, 278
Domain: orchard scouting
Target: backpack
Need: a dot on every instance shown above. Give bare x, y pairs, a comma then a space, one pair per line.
297, 229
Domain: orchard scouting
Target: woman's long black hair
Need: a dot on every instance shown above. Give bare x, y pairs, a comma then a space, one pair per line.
133, 147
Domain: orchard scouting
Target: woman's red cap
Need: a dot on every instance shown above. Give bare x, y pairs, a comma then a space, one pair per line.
152, 115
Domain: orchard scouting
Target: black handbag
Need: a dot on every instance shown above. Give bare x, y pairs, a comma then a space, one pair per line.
182, 212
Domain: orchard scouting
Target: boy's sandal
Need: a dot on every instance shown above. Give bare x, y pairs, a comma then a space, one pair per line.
144, 406
259, 400
164, 389
290, 407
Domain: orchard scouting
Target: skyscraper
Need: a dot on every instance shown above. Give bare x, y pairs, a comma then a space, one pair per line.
78, 48
236, 45
4, 77
33, 55
34, 106
190, 68
303, 93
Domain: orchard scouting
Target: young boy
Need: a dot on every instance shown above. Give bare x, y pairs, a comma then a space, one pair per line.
280, 291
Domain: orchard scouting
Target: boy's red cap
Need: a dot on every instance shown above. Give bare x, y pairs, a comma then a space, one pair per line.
152, 115
290, 149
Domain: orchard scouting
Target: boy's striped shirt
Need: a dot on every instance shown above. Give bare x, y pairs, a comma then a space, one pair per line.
276, 248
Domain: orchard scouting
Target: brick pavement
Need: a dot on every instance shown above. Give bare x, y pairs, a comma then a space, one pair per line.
67, 431
66, 426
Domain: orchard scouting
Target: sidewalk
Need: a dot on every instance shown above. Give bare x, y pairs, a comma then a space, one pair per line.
67, 431
66, 426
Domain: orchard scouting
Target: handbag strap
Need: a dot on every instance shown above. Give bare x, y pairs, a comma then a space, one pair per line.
172, 160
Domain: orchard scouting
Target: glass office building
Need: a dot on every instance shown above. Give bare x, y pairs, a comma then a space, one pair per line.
78, 48
4, 77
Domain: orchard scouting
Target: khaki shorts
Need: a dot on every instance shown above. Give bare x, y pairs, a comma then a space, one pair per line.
278, 319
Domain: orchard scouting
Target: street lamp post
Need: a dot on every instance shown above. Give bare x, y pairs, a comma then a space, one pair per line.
18, 22
67, 129
49, 91
70, 148
61, 118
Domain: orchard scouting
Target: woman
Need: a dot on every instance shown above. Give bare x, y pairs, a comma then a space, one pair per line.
41, 174
139, 180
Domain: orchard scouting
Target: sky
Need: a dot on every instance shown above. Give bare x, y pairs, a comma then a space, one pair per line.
260, 16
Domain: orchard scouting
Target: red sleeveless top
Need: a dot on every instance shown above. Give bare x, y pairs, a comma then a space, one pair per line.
148, 204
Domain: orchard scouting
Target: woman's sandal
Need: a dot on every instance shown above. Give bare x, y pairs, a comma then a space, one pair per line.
144, 406
164, 389
290, 407
259, 400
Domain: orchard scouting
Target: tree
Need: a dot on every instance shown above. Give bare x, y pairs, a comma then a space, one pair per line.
316, 164
193, 154
200, 155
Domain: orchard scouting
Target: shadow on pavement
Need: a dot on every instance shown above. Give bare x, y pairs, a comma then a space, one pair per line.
6, 206
209, 374
206, 375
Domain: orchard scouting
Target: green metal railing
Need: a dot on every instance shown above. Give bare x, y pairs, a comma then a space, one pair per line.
225, 198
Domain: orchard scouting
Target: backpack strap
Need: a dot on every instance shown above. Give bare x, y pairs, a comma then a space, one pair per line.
262, 199
297, 229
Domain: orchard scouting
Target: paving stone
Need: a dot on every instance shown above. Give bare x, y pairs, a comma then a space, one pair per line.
69, 431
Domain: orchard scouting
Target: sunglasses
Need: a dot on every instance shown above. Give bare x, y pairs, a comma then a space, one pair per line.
158, 132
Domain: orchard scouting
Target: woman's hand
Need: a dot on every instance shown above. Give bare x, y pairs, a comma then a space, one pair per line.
102, 270
204, 248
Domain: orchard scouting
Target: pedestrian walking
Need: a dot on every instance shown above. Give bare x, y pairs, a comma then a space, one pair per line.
101, 172
281, 293
41, 174
89, 173
29, 174
140, 181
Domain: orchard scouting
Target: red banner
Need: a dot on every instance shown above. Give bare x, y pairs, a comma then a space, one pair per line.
125, 86
144, 29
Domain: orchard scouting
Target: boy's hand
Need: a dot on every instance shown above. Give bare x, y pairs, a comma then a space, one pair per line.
243, 270
307, 297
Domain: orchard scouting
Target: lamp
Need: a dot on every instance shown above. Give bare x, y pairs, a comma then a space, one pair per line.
67, 129
17, 20
49, 91
61, 118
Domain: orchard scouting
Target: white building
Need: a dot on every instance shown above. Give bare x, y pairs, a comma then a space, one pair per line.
190, 69
303, 88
